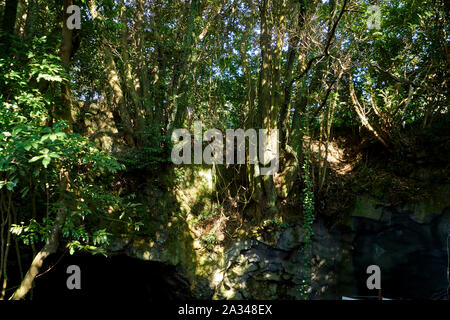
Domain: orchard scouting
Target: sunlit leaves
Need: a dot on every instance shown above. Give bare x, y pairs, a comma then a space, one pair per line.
33, 152
33, 232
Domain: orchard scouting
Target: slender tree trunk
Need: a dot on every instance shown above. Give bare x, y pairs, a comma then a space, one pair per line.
267, 109
179, 82
292, 52
51, 245
66, 52
362, 116
117, 95
32, 11
8, 23
131, 80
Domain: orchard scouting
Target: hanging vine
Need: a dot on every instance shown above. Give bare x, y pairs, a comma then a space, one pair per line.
308, 220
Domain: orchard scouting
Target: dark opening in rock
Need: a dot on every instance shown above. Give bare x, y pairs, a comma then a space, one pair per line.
113, 278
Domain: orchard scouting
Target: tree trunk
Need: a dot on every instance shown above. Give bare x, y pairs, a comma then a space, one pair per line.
266, 108
8, 23
115, 86
362, 116
66, 52
292, 52
179, 81
51, 246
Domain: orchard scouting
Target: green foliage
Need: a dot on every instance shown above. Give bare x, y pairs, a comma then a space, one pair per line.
210, 239
34, 151
146, 67
208, 214
152, 153
33, 232
276, 223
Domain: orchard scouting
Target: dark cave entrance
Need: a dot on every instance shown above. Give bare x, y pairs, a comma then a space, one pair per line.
114, 278
412, 257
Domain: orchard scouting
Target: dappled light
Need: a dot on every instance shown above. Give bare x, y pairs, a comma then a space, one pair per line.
224, 150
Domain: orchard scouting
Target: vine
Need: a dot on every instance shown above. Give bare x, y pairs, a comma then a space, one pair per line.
308, 220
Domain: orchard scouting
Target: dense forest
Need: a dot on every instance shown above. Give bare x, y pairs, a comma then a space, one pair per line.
352, 96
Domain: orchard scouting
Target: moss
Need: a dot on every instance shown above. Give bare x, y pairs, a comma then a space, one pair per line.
367, 207
433, 205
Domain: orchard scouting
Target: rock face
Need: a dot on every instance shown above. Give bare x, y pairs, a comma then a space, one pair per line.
408, 242
258, 271
411, 253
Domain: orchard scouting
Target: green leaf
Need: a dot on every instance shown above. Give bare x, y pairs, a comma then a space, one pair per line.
35, 158
44, 137
46, 161
25, 191
10, 185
